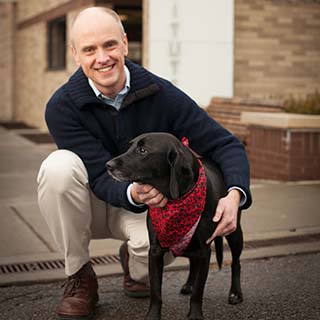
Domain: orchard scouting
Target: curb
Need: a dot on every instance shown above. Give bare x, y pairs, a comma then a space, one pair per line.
35, 271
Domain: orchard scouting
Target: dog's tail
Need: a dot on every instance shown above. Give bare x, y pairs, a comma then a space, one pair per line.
218, 244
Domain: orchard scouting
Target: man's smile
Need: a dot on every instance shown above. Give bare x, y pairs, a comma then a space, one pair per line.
105, 69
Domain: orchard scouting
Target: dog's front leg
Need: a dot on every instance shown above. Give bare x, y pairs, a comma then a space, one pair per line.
155, 274
201, 273
188, 286
156, 254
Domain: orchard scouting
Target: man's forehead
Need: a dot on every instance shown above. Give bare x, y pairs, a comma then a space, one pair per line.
88, 25
92, 36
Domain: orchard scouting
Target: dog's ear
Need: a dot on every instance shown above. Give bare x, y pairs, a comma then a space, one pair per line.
173, 160
181, 172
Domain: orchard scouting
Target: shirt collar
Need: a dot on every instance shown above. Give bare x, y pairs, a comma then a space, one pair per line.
123, 92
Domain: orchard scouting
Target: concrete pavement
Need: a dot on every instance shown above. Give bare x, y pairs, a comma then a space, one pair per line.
282, 288
284, 219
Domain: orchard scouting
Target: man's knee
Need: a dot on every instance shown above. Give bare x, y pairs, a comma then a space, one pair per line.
139, 244
61, 170
139, 241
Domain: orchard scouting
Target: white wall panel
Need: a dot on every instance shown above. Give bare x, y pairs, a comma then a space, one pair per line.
191, 43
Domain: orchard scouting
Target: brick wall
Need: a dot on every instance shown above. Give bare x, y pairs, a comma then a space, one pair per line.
284, 154
276, 48
35, 82
6, 60
28, 73
30, 8
228, 112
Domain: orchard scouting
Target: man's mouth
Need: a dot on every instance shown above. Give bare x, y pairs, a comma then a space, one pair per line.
105, 69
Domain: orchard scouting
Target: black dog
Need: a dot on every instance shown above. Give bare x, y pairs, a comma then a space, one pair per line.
161, 160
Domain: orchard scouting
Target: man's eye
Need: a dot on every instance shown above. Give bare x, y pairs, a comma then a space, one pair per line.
88, 50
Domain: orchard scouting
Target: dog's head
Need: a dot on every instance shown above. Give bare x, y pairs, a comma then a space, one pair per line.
158, 159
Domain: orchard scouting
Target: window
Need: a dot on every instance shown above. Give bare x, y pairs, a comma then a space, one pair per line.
131, 18
57, 44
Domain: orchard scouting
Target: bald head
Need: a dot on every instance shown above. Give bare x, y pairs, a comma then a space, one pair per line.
99, 47
92, 15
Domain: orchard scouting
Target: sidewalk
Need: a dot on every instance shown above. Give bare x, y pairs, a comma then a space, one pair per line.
282, 288
284, 219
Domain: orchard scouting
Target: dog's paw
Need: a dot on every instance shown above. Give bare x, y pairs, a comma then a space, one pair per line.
153, 314
152, 317
198, 316
195, 312
186, 289
235, 298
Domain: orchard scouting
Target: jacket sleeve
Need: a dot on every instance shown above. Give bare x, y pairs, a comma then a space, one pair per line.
69, 133
208, 138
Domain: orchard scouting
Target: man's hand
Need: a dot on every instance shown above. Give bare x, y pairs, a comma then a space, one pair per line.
226, 214
144, 193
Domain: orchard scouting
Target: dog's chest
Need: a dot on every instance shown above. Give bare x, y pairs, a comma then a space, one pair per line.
175, 223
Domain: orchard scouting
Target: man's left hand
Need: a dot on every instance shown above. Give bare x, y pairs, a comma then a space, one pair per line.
226, 214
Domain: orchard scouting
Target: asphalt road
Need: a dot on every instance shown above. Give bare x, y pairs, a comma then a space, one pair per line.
276, 288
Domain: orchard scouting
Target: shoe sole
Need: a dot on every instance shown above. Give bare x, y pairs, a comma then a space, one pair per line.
139, 294
61, 317
84, 317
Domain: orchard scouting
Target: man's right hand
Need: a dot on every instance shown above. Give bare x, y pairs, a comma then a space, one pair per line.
144, 193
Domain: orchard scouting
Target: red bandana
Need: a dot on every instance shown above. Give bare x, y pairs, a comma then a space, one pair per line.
176, 222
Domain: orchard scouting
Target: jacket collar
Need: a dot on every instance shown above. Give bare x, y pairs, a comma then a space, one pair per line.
142, 85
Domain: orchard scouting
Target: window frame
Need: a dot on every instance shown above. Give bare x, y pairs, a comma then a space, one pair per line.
57, 43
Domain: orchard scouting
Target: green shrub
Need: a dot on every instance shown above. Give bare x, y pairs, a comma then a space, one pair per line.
308, 105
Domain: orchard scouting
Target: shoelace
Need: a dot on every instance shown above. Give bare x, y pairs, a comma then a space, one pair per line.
72, 286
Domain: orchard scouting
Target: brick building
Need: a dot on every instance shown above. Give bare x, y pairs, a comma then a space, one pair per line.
273, 48
35, 58
277, 48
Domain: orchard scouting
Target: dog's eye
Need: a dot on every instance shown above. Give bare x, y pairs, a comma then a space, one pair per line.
142, 150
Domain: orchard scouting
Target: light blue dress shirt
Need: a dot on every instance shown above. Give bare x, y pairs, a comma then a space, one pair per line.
117, 101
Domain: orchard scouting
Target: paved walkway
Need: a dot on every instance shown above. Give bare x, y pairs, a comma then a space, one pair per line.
284, 219
284, 288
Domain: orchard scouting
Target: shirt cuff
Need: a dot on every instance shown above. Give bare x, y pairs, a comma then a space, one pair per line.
130, 198
243, 198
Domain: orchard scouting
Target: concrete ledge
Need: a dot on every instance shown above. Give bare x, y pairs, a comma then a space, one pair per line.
267, 103
281, 120
24, 278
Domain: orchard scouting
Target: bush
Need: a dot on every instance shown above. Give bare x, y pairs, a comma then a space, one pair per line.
308, 105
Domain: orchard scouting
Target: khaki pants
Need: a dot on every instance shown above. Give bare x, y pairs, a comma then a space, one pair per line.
75, 216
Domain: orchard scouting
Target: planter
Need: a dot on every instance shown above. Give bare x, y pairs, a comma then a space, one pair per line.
283, 146
227, 111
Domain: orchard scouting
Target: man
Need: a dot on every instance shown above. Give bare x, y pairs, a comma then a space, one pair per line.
108, 101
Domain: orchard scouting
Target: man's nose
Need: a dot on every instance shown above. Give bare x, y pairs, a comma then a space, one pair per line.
102, 56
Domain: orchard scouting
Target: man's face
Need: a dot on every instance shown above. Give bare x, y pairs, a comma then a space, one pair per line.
100, 47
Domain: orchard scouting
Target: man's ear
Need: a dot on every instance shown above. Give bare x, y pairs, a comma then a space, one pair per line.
125, 43
173, 160
75, 55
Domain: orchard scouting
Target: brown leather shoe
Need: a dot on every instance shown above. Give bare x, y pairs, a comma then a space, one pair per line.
131, 287
80, 295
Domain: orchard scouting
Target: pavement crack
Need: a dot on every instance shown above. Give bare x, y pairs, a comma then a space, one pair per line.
31, 228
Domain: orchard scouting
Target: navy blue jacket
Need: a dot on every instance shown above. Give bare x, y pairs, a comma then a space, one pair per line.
96, 132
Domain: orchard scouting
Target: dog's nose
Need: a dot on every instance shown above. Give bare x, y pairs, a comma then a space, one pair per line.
114, 164
109, 165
